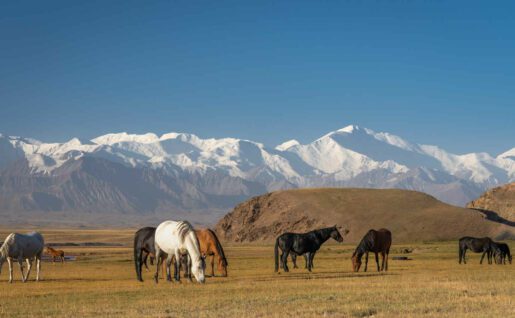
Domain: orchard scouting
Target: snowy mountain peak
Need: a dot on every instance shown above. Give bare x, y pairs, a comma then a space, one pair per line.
110, 139
348, 129
287, 144
350, 156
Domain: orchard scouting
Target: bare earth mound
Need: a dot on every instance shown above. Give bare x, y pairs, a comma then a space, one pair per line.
410, 215
500, 200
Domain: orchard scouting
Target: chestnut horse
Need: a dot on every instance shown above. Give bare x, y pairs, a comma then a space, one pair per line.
55, 254
376, 242
210, 246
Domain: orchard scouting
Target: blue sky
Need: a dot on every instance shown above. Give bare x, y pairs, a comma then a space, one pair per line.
430, 71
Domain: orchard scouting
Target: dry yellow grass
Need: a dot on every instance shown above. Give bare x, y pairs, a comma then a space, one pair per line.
102, 284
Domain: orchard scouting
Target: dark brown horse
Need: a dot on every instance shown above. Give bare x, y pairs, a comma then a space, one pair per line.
56, 254
210, 246
483, 245
375, 242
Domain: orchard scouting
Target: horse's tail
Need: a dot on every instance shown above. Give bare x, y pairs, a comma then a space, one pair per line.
219, 248
137, 258
276, 255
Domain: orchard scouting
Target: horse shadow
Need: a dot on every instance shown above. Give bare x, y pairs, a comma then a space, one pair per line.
324, 275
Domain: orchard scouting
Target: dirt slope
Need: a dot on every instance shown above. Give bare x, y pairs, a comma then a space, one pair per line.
410, 215
500, 200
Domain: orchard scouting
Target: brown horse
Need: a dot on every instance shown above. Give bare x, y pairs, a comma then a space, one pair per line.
376, 242
55, 254
210, 246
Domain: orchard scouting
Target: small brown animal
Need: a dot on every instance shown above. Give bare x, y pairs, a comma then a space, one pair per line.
55, 254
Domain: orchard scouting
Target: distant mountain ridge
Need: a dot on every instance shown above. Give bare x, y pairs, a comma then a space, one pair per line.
182, 172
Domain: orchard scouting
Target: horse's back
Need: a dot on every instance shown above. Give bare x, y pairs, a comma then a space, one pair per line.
28, 244
170, 234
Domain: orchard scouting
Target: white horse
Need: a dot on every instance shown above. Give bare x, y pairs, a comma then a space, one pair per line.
176, 239
22, 247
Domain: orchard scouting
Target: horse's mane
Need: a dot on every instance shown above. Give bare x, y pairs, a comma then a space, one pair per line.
5, 245
364, 244
184, 228
219, 247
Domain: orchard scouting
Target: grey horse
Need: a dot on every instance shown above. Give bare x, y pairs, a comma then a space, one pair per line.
22, 247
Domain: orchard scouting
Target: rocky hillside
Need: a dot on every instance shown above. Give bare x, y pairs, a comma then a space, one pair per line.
500, 200
410, 215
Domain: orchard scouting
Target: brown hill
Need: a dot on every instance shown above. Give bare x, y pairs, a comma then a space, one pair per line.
410, 215
500, 200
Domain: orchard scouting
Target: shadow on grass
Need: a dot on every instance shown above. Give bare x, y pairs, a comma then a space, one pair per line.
324, 275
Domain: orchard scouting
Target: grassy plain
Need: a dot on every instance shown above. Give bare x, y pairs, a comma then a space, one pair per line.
101, 283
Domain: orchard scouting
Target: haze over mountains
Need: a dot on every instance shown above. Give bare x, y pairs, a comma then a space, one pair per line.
178, 172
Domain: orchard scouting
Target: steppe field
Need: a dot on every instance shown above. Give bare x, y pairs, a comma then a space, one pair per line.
101, 283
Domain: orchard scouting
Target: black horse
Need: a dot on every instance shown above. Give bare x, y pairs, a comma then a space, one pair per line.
483, 245
376, 242
143, 246
503, 252
303, 243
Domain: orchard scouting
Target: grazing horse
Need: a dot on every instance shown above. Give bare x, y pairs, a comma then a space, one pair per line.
176, 239
374, 241
210, 246
303, 243
22, 247
55, 254
143, 248
503, 252
483, 245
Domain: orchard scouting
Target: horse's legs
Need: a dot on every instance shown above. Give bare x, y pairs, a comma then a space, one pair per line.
38, 267
482, 256
20, 262
294, 260
383, 256
177, 266
168, 263
284, 260
377, 261
29, 267
144, 261
366, 261
464, 257
158, 261
387, 254
212, 265
310, 258
10, 262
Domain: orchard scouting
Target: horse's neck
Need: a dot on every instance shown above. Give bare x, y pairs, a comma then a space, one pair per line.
192, 245
323, 235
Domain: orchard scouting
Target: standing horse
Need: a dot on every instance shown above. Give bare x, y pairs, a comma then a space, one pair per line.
210, 246
503, 252
55, 254
303, 243
376, 242
22, 247
477, 245
176, 239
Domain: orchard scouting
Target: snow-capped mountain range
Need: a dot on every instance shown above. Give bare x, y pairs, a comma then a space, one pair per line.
351, 156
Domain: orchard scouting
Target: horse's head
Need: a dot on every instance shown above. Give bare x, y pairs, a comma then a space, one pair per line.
222, 266
197, 269
335, 234
356, 262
